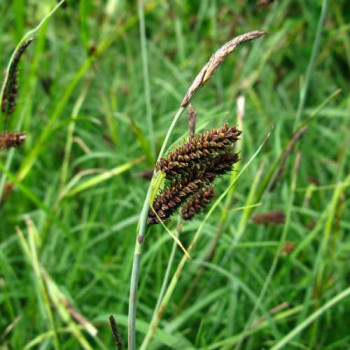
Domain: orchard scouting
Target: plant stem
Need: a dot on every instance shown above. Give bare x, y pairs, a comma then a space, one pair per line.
145, 70
310, 67
168, 269
141, 231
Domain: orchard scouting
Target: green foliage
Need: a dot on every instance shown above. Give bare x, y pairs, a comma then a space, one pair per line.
94, 88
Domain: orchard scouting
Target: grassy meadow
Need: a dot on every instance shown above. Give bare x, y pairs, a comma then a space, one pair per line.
98, 90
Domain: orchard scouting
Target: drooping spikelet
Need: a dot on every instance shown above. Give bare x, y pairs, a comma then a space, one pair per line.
195, 151
9, 100
176, 194
11, 139
219, 165
173, 196
197, 203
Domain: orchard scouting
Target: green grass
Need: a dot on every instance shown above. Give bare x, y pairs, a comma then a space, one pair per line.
68, 229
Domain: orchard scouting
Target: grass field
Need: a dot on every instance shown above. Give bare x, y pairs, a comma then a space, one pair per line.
99, 88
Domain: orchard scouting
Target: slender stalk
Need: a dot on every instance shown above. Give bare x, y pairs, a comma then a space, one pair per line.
311, 64
168, 269
141, 231
145, 70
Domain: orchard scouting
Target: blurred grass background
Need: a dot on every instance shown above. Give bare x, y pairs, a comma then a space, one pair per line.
97, 95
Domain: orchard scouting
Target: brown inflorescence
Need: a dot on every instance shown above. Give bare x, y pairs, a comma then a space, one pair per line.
195, 151
116, 334
288, 248
172, 197
197, 203
8, 188
9, 100
11, 139
269, 218
199, 171
219, 165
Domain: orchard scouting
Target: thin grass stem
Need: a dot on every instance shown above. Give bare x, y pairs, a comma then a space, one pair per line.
168, 269
141, 232
310, 67
145, 70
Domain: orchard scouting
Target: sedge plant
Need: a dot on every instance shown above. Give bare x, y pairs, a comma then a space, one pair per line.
146, 216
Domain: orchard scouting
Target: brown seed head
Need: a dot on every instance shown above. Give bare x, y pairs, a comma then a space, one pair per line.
269, 218
197, 203
116, 334
288, 248
173, 196
9, 99
11, 139
197, 150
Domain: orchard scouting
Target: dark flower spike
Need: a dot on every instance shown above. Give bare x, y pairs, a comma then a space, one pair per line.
269, 218
197, 203
11, 139
9, 100
197, 150
116, 335
173, 196
219, 165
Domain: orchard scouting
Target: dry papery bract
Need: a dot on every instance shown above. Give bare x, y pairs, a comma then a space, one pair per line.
215, 60
203, 159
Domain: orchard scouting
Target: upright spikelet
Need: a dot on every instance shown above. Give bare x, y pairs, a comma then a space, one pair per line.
197, 203
197, 150
9, 100
116, 334
11, 139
